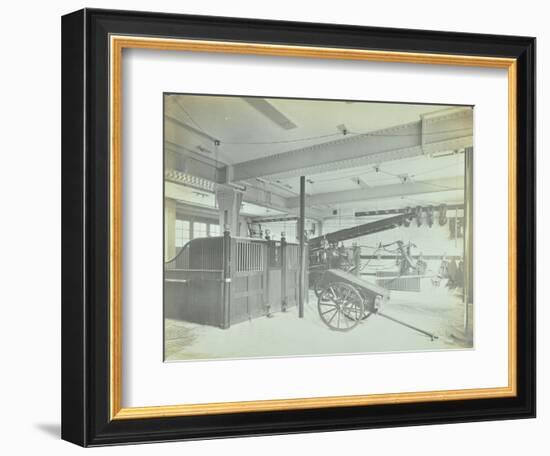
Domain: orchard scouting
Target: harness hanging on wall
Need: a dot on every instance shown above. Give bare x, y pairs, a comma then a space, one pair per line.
418, 215
407, 218
442, 214
430, 216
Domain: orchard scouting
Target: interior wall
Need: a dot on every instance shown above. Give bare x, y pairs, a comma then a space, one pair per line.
169, 228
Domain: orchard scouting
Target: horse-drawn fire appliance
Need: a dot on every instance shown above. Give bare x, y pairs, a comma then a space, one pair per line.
345, 299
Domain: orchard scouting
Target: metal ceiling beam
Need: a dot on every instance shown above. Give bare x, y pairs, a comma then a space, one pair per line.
380, 192
261, 219
193, 164
446, 131
179, 183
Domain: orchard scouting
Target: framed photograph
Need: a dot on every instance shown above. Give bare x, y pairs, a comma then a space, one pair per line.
277, 227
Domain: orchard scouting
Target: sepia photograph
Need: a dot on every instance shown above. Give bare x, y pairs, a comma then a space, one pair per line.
306, 227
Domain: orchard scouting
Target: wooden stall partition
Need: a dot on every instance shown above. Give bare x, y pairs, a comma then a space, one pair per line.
226, 280
193, 283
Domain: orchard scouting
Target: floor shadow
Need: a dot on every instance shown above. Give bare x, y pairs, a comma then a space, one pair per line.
52, 429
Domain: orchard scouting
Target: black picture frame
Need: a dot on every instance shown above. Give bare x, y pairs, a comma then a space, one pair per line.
85, 228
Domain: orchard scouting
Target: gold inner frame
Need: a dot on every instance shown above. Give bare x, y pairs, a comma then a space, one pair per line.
117, 44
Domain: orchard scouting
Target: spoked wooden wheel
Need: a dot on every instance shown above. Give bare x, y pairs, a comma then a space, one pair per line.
340, 306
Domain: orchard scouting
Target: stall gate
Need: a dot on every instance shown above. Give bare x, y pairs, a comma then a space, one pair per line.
249, 293
225, 280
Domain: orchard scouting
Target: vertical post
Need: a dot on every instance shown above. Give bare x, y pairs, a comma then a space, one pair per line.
283, 273
226, 285
306, 272
267, 248
302, 257
468, 241
229, 203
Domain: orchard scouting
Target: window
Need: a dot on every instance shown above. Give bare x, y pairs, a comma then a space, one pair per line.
199, 230
214, 230
187, 229
183, 234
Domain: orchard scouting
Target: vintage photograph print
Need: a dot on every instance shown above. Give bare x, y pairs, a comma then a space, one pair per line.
301, 227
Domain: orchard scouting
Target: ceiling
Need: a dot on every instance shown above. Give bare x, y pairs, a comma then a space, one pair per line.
394, 172
245, 134
233, 130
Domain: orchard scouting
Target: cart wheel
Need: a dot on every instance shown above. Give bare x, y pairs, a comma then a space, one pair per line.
340, 306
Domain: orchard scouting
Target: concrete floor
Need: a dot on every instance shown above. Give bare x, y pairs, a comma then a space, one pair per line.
436, 310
